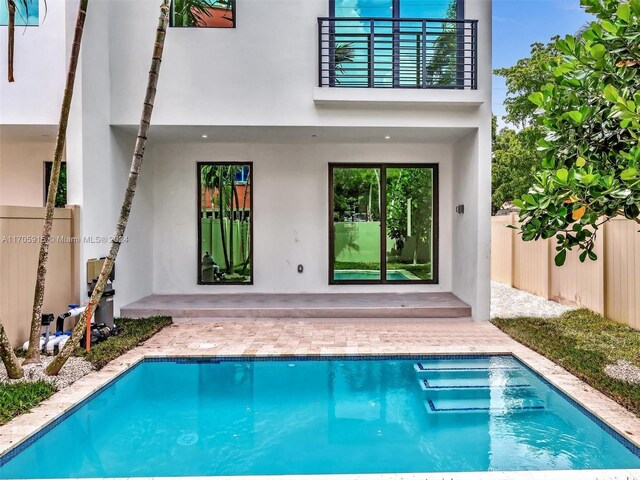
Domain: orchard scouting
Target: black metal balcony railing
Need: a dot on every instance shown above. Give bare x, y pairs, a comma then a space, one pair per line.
397, 53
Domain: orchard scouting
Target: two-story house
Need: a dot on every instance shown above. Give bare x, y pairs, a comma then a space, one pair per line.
297, 146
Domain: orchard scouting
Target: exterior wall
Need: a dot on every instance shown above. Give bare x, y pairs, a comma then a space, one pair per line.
291, 202
22, 172
262, 73
40, 63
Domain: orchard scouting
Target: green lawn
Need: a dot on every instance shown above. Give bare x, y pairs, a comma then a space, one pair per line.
134, 332
20, 397
583, 343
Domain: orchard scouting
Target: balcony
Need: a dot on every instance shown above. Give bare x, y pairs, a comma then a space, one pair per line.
409, 53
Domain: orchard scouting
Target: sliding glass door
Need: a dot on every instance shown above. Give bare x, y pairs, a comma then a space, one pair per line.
383, 223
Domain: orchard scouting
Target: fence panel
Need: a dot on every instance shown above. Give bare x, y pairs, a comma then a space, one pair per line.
610, 285
502, 245
20, 227
622, 272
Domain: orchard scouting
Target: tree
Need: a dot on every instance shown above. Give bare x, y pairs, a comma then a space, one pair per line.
33, 352
136, 164
527, 76
12, 9
515, 154
588, 116
8, 357
514, 162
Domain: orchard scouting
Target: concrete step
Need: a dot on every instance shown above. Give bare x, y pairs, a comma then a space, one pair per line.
347, 305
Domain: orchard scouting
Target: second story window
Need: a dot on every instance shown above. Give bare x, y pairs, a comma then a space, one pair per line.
27, 13
203, 13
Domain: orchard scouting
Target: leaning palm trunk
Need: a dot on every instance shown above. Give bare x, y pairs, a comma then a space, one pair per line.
11, 7
14, 370
136, 164
33, 352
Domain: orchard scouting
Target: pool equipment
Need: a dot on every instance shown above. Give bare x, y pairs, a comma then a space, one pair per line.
74, 310
103, 312
99, 333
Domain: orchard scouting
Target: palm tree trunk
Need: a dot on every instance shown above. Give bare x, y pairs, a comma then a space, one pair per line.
33, 352
232, 212
136, 165
11, 7
14, 370
223, 231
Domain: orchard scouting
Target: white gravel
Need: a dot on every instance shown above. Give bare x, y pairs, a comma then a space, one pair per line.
508, 302
625, 371
74, 369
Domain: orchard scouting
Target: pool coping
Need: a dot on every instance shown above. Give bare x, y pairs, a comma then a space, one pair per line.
24, 430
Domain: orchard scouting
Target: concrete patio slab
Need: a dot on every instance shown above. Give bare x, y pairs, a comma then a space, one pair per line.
316, 305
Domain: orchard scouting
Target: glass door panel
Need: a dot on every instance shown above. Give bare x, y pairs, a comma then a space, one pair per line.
356, 230
409, 223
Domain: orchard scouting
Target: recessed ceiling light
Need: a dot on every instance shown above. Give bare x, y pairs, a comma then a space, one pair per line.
387, 137
205, 136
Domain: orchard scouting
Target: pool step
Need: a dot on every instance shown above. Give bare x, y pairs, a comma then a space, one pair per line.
482, 365
468, 384
499, 405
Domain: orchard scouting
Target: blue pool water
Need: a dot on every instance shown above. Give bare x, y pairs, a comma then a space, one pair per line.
242, 417
372, 275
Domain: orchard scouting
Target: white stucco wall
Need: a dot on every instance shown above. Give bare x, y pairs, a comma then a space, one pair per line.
40, 64
290, 195
261, 73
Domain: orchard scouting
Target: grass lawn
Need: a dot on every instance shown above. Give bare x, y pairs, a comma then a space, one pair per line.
20, 397
134, 332
583, 343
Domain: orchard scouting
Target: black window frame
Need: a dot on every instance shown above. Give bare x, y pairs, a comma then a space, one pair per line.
199, 222
383, 225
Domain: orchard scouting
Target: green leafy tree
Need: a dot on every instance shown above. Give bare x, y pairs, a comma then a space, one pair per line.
589, 118
515, 155
514, 161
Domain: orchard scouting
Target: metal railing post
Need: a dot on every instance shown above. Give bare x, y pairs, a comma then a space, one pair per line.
372, 40
424, 54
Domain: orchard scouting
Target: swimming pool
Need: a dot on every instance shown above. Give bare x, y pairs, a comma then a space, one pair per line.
260, 416
373, 275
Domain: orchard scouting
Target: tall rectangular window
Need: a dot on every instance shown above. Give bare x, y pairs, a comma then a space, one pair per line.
27, 14
203, 13
384, 221
225, 223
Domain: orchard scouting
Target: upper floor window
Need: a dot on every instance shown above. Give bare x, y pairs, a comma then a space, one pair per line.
203, 13
441, 9
27, 13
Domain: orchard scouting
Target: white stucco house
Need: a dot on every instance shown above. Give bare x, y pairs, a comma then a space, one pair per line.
349, 142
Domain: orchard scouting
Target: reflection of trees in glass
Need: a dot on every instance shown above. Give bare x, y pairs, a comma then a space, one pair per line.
410, 198
356, 191
443, 60
230, 210
187, 13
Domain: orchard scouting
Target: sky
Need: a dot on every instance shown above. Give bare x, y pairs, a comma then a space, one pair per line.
519, 23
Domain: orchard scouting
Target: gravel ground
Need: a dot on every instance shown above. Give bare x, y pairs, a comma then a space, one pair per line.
74, 369
508, 302
623, 370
